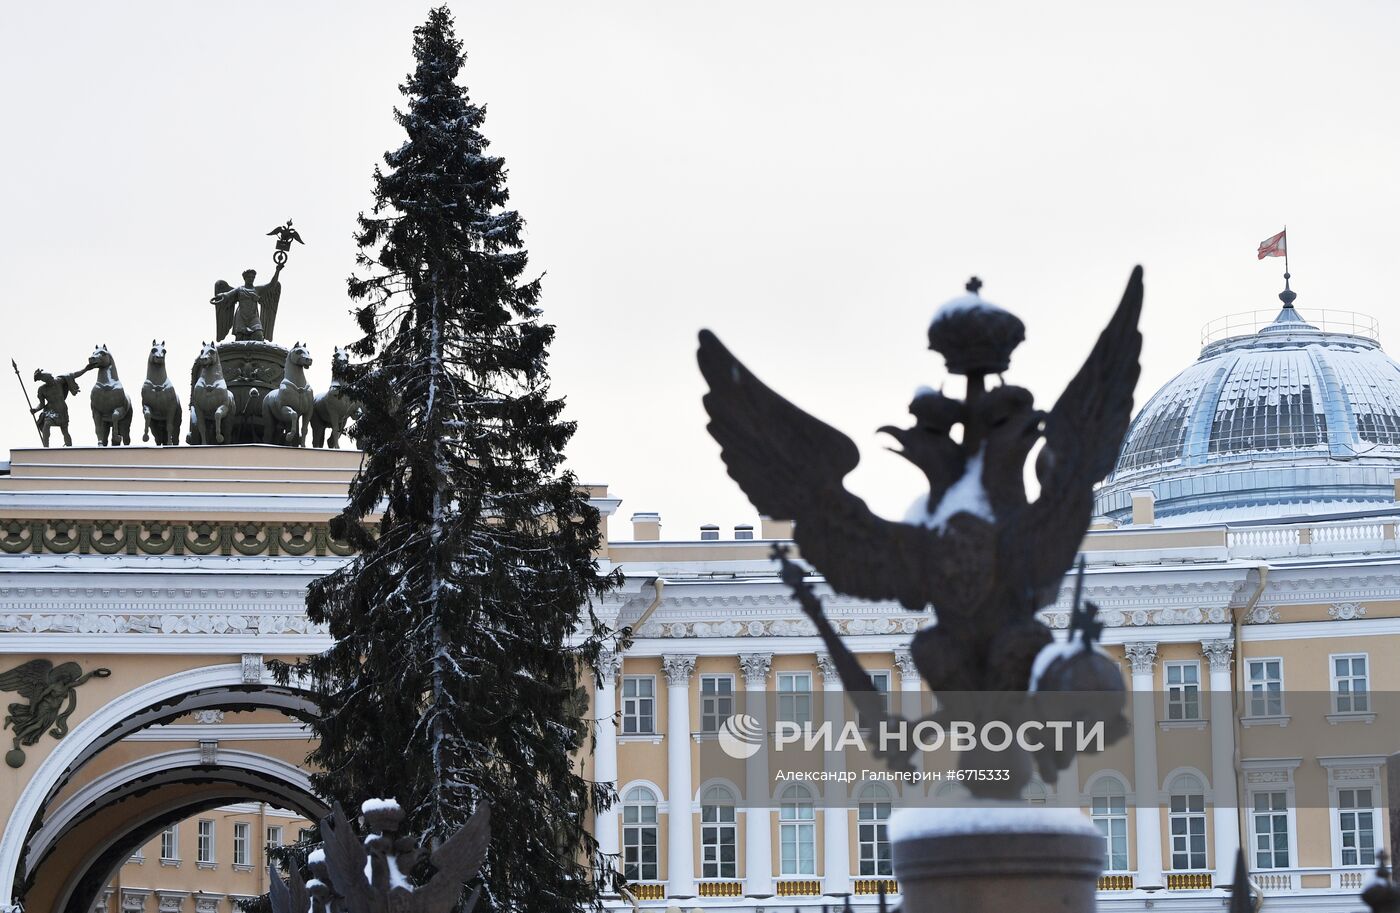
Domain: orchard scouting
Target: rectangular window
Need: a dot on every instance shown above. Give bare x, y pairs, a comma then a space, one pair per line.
205, 852
1356, 826
873, 837
1109, 812
274, 835
1183, 691
242, 838
1270, 817
640, 861
1265, 687
719, 841
1188, 830
1349, 683
881, 681
795, 697
304, 834
799, 848
716, 701
170, 843
638, 704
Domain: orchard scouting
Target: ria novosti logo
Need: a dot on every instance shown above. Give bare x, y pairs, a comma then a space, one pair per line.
741, 736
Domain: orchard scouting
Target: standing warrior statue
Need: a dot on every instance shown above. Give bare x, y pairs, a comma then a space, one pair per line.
52, 411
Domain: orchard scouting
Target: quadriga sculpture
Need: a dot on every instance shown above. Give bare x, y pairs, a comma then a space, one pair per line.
372, 877
160, 404
111, 407
287, 410
333, 408
211, 401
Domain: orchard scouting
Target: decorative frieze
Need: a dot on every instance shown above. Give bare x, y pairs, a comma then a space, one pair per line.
156, 537
208, 717
1346, 611
795, 626
170, 901
1261, 615
207, 903
260, 624
252, 668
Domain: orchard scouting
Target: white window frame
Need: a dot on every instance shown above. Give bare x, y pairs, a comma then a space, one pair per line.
303, 834
874, 852
1350, 678
1255, 835
273, 835
1174, 695
632, 706
887, 676
794, 703
1263, 695
641, 798
173, 832
719, 827
1174, 790
1104, 788
712, 712
242, 845
797, 822
1271, 775
206, 849
1374, 810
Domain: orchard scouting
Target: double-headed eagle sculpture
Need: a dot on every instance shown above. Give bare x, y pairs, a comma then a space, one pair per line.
975, 550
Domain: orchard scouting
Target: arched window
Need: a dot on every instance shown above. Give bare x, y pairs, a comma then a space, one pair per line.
719, 837
872, 825
1188, 823
797, 831
1035, 793
639, 857
1108, 807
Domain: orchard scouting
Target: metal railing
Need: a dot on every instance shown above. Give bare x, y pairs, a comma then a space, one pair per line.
1247, 323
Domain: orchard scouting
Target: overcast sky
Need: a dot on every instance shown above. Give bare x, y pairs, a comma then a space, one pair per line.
811, 180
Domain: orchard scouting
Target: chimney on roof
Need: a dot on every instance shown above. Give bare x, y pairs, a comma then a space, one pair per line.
646, 526
1144, 507
774, 529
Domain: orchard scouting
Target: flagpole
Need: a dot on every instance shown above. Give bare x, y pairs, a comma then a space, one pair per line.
1285, 254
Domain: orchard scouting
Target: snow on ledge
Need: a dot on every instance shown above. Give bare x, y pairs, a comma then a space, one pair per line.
989, 818
379, 805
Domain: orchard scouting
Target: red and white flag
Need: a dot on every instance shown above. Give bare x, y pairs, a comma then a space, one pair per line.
1277, 246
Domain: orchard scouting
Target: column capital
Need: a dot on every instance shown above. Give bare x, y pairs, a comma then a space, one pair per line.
904, 662
678, 667
609, 665
755, 667
1219, 652
1142, 655
825, 665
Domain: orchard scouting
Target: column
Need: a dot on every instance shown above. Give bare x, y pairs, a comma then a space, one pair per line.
680, 848
758, 812
1143, 657
908, 704
605, 825
1222, 758
836, 816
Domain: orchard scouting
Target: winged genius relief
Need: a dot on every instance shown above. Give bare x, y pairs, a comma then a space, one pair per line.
47, 688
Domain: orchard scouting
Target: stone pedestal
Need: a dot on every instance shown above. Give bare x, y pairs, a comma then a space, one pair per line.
251, 370
993, 872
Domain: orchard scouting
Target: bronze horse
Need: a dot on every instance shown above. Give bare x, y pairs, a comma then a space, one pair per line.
211, 401
333, 407
287, 410
111, 407
160, 404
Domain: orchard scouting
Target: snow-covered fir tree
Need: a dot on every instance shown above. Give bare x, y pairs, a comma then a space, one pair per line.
463, 629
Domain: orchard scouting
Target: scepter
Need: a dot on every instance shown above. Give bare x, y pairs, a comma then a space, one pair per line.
27, 401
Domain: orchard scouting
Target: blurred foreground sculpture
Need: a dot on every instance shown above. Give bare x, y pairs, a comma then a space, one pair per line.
372, 877
974, 549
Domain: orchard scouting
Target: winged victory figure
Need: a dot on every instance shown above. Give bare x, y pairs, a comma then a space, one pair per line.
47, 688
975, 549
248, 311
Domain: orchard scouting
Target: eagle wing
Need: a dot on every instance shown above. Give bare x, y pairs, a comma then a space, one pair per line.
345, 855
28, 679
1083, 434
457, 861
268, 298
791, 466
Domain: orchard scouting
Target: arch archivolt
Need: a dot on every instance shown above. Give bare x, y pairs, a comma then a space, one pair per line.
25, 841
